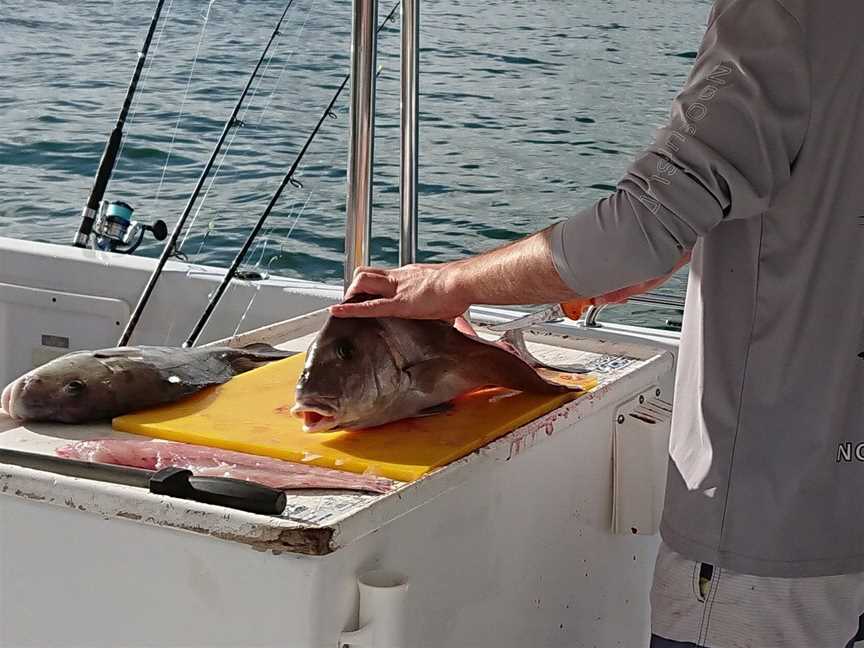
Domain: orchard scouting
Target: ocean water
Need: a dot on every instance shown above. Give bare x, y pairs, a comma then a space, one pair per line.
530, 111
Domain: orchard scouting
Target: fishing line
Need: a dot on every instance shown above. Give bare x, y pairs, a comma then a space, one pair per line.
168, 250
145, 78
288, 179
179, 251
248, 308
287, 61
261, 78
297, 218
270, 264
170, 330
211, 223
266, 237
183, 104
261, 247
293, 215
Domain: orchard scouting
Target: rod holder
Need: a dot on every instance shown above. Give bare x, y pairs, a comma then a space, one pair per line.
361, 136
409, 131
382, 612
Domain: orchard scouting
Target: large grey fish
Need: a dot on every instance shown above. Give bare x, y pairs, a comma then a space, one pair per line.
365, 372
95, 385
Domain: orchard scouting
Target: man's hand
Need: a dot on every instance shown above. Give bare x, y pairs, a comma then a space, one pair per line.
420, 291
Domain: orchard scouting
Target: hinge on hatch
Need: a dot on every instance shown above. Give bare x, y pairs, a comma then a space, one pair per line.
640, 450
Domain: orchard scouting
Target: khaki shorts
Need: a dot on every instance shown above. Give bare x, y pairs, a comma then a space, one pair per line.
700, 605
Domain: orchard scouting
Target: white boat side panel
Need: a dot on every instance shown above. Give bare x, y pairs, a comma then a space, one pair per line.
37, 325
520, 554
73, 580
176, 304
514, 553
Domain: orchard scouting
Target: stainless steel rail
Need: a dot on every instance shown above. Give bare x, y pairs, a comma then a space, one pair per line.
409, 135
654, 299
361, 136
647, 299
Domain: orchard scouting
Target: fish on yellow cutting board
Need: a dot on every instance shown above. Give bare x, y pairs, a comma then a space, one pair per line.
362, 373
87, 386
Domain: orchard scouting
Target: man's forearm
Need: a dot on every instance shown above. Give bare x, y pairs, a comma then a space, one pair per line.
519, 273
523, 272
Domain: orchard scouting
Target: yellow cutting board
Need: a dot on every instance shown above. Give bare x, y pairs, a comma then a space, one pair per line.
250, 413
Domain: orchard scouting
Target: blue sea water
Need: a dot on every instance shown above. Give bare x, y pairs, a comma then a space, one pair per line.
530, 111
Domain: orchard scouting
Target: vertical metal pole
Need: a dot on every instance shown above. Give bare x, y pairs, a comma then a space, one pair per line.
409, 130
361, 134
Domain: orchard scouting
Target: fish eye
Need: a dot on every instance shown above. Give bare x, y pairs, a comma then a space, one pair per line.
75, 386
344, 350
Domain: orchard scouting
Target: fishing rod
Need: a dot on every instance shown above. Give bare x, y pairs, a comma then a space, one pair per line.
168, 250
288, 179
112, 146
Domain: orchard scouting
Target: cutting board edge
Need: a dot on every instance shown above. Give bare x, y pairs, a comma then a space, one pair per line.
402, 473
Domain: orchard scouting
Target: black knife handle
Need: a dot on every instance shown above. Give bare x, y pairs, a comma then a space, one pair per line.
222, 491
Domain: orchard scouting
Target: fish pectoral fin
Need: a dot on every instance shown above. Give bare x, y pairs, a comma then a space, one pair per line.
119, 352
261, 352
260, 347
242, 365
425, 375
255, 355
440, 408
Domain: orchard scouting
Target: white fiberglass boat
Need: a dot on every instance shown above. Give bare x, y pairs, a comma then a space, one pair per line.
543, 537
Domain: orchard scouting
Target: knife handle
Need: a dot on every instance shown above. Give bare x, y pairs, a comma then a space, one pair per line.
222, 491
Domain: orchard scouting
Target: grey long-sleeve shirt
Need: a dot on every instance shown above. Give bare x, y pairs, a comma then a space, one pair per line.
760, 172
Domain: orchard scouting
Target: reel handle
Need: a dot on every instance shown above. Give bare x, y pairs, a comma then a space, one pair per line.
159, 229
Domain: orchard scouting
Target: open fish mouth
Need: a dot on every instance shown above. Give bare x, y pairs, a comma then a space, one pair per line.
10, 398
317, 417
6, 399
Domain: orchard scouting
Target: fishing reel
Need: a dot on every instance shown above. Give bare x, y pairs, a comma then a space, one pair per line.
115, 231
